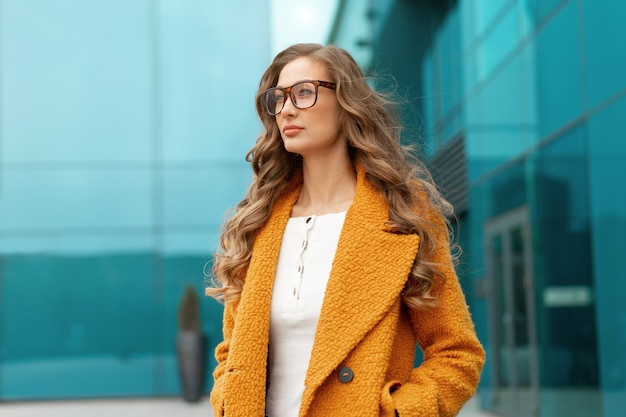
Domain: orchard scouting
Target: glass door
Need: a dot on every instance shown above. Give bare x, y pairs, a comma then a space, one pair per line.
512, 329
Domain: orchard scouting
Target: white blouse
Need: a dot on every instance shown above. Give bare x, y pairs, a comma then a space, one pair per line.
306, 256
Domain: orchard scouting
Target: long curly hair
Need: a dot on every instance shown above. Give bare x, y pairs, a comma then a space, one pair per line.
370, 122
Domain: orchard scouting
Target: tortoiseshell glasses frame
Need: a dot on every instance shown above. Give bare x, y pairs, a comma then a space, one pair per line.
303, 95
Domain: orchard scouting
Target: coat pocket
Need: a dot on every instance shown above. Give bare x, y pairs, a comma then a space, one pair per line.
387, 405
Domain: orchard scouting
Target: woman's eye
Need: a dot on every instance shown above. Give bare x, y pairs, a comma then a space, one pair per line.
304, 92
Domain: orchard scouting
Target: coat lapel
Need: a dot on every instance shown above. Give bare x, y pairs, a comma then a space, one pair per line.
369, 271
247, 358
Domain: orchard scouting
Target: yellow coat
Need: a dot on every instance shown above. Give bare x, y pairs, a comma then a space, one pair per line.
362, 359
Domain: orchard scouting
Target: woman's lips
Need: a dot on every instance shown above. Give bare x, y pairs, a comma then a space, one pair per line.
292, 130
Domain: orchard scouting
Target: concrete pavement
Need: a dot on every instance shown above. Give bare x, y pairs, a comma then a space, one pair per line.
135, 407
138, 407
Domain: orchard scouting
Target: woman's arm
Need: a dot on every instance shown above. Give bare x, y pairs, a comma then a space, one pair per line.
221, 354
453, 356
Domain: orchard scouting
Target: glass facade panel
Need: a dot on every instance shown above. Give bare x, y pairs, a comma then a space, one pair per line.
526, 19
357, 30
70, 97
506, 192
485, 13
604, 36
566, 308
514, 342
467, 9
55, 199
500, 117
470, 74
498, 43
207, 102
507, 100
79, 242
607, 170
559, 71
450, 47
428, 101
504, 349
119, 157
85, 322
489, 150
542, 9
542, 114
193, 196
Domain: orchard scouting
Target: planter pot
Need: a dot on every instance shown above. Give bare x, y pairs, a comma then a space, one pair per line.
191, 353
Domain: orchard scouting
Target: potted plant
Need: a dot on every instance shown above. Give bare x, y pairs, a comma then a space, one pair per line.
190, 346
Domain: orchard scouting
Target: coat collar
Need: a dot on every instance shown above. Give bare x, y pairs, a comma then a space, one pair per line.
370, 269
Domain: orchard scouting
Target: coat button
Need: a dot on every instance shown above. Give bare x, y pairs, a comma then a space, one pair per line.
345, 375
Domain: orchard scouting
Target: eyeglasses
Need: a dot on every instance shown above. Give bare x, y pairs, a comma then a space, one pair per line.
303, 95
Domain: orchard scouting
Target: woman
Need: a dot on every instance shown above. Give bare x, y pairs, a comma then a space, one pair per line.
337, 263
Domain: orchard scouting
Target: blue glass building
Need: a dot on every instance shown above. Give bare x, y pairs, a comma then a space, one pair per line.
123, 127
520, 108
123, 131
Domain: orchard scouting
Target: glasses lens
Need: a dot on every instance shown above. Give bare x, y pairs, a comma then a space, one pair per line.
274, 100
303, 95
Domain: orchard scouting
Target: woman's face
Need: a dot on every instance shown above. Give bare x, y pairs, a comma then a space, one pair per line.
315, 131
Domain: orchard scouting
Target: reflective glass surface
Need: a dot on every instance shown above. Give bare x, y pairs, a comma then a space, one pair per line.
86, 322
607, 170
542, 10
118, 162
603, 39
541, 109
36, 198
498, 43
485, 12
563, 267
76, 81
211, 198
559, 71
514, 338
195, 73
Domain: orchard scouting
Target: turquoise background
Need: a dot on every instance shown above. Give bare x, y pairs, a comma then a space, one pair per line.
536, 92
123, 130
124, 126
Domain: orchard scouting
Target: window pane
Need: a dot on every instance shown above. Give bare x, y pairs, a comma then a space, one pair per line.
85, 322
604, 37
74, 88
559, 77
563, 265
608, 207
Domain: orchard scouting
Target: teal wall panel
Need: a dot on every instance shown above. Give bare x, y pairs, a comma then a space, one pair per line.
607, 153
537, 90
51, 198
76, 81
124, 128
560, 98
605, 60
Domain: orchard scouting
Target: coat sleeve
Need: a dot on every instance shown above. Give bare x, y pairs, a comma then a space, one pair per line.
453, 356
221, 354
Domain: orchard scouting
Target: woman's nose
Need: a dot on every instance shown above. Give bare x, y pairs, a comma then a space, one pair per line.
288, 107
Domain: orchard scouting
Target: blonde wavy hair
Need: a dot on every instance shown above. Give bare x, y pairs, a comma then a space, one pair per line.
371, 125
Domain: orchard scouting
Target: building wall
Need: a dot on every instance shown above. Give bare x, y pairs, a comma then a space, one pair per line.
536, 91
123, 130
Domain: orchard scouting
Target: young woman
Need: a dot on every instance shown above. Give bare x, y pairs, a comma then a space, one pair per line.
337, 263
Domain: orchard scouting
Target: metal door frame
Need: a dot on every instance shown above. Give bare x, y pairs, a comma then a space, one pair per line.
502, 225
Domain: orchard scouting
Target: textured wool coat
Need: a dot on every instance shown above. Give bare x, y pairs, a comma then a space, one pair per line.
363, 353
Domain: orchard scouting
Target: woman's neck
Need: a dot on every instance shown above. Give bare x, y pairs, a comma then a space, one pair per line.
326, 188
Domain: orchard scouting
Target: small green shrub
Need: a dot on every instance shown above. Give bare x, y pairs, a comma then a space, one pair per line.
189, 310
